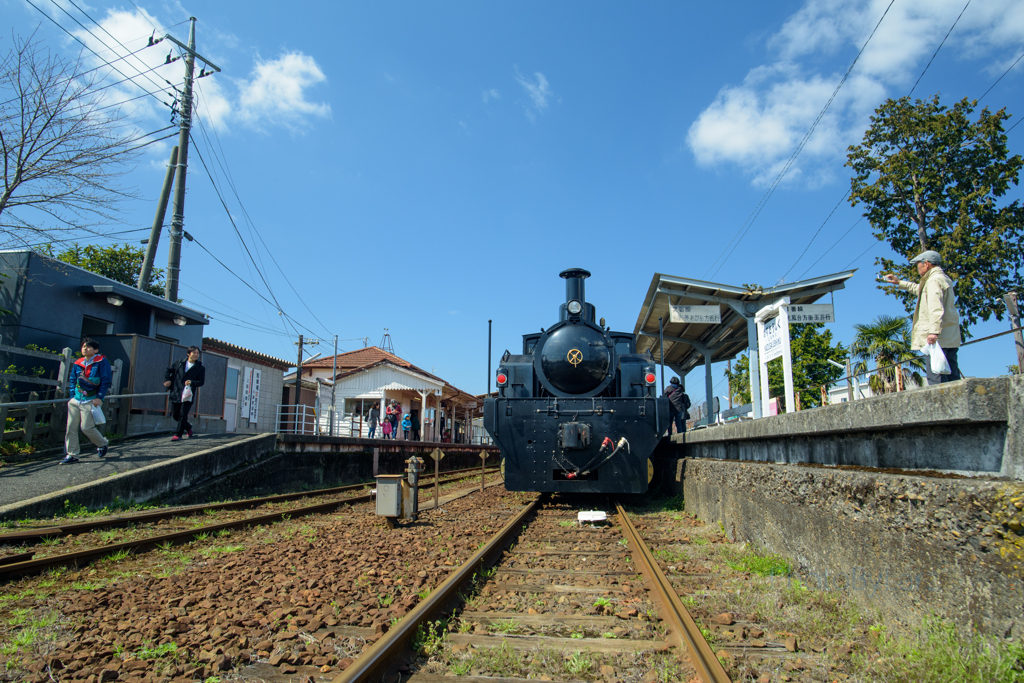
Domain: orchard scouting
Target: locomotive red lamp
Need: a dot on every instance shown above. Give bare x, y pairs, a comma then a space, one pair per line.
502, 379
650, 378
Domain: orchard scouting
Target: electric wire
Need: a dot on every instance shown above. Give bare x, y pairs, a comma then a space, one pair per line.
813, 237
245, 247
275, 303
1001, 77
923, 72
79, 40
248, 218
938, 48
738, 237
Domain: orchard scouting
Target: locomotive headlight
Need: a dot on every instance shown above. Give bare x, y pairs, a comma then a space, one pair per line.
575, 307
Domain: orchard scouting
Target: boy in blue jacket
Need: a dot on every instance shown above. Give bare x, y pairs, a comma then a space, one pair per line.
89, 384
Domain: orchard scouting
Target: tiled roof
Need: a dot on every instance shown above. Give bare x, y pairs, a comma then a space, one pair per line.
362, 359
365, 358
242, 353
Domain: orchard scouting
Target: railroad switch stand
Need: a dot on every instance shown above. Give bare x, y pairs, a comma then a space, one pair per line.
398, 495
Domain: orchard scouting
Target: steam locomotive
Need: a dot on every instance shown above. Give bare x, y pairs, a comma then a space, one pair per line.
577, 410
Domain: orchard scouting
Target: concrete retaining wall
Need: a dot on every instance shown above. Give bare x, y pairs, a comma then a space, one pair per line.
292, 472
147, 483
905, 545
971, 426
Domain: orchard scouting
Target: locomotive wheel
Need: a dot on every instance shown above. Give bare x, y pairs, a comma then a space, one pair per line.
502, 470
650, 470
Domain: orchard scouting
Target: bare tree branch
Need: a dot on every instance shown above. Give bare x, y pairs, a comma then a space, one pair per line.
62, 158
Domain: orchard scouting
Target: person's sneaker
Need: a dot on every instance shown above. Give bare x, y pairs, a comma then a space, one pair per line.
189, 432
68, 459
175, 438
102, 450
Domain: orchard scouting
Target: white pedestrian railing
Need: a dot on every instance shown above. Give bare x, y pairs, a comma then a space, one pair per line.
296, 419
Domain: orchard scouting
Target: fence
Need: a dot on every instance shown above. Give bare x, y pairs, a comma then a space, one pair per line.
296, 419
43, 421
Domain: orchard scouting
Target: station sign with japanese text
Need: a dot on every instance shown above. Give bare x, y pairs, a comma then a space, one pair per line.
695, 314
811, 313
772, 347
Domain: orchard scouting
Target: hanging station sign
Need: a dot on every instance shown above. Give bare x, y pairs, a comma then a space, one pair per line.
695, 314
811, 313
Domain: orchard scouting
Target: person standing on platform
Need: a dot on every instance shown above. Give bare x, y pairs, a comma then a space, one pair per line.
406, 426
183, 379
935, 317
392, 417
374, 418
89, 382
678, 404
415, 420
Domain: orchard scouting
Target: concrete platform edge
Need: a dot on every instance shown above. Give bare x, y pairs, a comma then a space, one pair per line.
146, 483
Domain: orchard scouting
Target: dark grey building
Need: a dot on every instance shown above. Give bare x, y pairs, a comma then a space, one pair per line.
54, 304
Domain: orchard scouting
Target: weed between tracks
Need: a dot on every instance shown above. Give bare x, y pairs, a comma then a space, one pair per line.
836, 640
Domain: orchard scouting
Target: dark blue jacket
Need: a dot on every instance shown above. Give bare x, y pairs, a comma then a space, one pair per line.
92, 382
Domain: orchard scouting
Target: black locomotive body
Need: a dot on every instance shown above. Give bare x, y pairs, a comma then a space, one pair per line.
578, 410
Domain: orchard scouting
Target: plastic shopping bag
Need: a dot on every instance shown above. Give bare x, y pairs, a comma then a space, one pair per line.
97, 415
936, 359
187, 394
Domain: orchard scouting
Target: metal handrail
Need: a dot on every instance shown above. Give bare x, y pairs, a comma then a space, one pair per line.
109, 397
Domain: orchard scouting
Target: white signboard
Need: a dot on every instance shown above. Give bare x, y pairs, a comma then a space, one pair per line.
811, 313
695, 314
254, 399
772, 347
246, 390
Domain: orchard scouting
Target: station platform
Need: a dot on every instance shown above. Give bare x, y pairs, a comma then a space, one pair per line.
135, 469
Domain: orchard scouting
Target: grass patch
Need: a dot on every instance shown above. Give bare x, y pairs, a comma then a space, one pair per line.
221, 549
938, 653
157, 652
670, 556
762, 565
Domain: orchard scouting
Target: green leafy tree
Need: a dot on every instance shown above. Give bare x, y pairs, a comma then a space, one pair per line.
121, 263
931, 178
811, 348
885, 341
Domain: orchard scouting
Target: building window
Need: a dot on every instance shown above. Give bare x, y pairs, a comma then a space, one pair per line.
94, 327
231, 387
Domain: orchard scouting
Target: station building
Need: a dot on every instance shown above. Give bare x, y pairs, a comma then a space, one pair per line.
371, 375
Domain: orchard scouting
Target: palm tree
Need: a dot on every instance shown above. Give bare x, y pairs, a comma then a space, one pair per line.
886, 341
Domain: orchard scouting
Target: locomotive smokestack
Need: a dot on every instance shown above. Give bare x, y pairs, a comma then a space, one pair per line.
575, 291
574, 288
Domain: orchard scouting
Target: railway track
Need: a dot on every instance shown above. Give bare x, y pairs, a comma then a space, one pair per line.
25, 563
553, 597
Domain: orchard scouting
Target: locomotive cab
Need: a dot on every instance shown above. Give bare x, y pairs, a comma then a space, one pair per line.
577, 410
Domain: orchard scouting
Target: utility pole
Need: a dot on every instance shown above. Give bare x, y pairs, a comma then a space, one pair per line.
1018, 337
298, 388
158, 222
178, 215
334, 379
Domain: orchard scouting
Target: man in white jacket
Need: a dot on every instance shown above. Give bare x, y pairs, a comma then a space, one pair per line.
935, 317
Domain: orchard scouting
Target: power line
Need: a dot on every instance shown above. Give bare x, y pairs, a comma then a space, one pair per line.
833, 246
79, 40
938, 48
771, 190
1001, 77
814, 237
251, 224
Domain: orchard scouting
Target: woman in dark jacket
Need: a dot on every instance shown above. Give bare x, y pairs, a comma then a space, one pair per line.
374, 418
182, 381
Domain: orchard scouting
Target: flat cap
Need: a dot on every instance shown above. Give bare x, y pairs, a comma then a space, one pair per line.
927, 256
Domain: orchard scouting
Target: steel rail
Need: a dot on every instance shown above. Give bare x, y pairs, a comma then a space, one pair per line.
31, 566
682, 628
386, 651
146, 517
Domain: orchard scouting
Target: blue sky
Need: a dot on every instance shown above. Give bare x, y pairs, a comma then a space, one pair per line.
424, 167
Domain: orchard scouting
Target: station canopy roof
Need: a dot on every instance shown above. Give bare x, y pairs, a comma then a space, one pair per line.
685, 342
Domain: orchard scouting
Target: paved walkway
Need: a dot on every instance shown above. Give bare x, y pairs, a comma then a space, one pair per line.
22, 481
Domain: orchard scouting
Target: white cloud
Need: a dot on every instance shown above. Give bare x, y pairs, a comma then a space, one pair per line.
759, 123
491, 94
538, 91
277, 92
